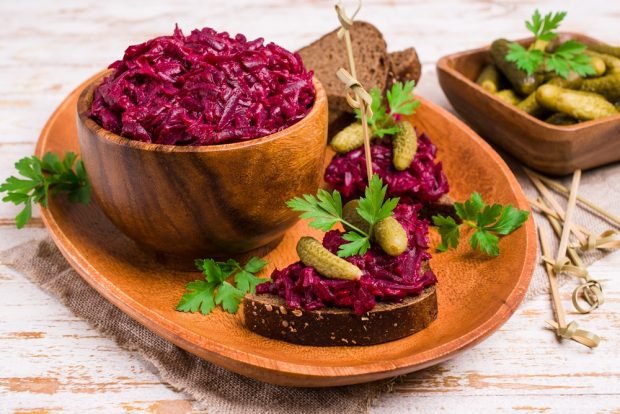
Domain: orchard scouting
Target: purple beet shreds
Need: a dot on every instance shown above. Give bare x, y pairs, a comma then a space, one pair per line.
203, 89
385, 278
424, 181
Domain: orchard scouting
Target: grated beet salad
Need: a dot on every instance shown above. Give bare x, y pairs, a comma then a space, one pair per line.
423, 181
203, 89
385, 278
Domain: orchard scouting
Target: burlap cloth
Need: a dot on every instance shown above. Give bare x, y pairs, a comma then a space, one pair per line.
217, 390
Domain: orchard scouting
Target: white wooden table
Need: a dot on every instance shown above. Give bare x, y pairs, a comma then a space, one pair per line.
51, 361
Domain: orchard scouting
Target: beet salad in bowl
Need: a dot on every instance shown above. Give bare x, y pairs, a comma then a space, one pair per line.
193, 143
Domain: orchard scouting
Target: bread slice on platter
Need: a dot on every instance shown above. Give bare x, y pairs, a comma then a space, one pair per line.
443, 206
404, 66
375, 67
268, 315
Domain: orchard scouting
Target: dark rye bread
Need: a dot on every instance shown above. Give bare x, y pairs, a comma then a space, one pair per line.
268, 316
375, 67
404, 66
327, 54
443, 206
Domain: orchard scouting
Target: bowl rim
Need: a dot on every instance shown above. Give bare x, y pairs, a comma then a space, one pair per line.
85, 100
445, 64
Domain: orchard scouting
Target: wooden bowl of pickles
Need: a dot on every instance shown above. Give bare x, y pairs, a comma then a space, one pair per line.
552, 100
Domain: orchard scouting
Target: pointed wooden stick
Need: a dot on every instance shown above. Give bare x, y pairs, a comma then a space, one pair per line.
568, 219
553, 282
549, 212
565, 191
544, 191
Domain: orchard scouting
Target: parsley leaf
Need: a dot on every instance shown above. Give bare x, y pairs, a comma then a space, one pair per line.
543, 28
229, 297
510, 220
325, 210
373, 206
449, 231
245, 279
527, 60
400, 101
470, 209
215, 289
43, 177
358, 244
569, 56
486, 241
488, 221
199, 295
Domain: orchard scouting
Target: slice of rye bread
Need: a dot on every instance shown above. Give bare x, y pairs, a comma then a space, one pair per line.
327, 54
404, 66
375, 67
267, 315
443, 206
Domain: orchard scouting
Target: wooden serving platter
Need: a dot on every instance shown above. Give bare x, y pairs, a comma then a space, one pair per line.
476, 294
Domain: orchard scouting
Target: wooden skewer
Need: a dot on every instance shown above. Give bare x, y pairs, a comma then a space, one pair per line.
553, 281
544, 191
568, 219
562, 189
557, 228
549, 212
359, 102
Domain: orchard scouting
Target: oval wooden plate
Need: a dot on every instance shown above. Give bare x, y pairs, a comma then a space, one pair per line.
476, 294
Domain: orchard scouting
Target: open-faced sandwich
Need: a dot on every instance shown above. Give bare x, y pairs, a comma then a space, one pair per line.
369, 282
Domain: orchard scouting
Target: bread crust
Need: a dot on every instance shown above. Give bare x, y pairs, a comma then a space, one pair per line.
267, 315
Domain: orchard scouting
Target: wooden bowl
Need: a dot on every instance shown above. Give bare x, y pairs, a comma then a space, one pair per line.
476, 294
201, 201
545, 147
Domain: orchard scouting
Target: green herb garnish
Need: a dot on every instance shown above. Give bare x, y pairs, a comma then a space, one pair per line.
215, 289
400, 102
489, 222
325, 210
43, 177
569, 56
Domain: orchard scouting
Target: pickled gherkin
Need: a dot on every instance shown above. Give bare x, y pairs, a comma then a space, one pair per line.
531, 106
608, 86
561, 119
522, 83
489, 78
611, 62
348, 139
391, 236
509, 96
404, 146
598, 65
312, 253
388, 233
578, 104
573, 82
606, 49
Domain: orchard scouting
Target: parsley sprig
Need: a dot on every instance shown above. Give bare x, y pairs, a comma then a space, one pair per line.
325, 210
488, 221
400, 101
567, 57
42, 177
215, 289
